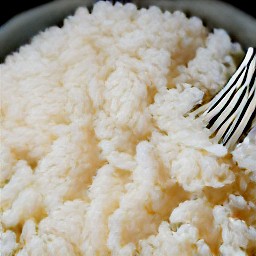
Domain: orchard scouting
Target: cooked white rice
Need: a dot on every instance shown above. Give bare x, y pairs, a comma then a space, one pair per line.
98, 154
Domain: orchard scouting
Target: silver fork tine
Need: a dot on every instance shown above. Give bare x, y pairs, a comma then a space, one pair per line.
241, 121
230, 112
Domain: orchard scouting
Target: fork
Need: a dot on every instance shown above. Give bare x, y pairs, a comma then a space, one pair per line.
231, 113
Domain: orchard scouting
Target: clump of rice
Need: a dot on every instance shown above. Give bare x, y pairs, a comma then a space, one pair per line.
98, 154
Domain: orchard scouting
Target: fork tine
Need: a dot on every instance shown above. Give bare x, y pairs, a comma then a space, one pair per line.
235, 80
234, 107
240, 123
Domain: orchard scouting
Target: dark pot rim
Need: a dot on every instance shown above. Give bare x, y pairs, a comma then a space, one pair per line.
216, 14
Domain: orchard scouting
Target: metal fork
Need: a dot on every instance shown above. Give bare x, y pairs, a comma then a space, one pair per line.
232, 112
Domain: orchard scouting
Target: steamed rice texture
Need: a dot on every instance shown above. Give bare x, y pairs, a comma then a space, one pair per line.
99, 155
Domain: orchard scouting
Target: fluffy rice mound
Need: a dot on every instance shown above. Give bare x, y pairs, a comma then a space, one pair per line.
98, 153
